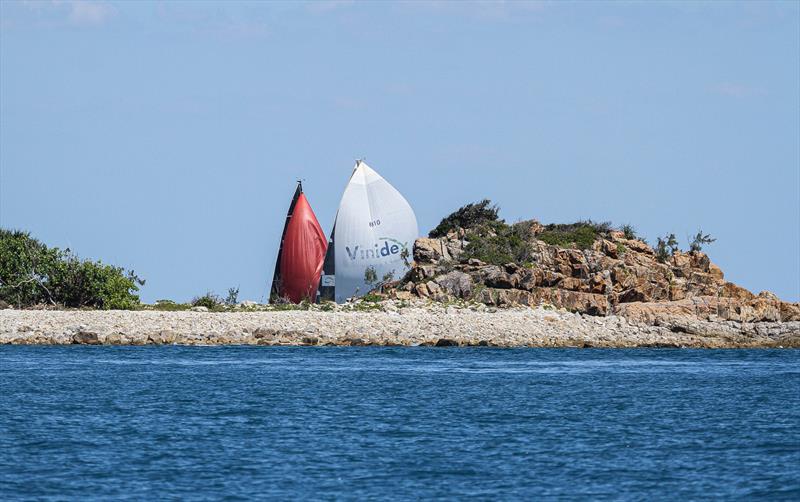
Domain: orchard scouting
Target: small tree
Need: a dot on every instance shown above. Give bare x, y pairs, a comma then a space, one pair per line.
629, 231
469, 216
404, 255
666, 247
208, 300
31, 273
661, 250
699, 240
233, 296
371, 277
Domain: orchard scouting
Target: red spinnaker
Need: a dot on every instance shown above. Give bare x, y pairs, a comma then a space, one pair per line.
302, 253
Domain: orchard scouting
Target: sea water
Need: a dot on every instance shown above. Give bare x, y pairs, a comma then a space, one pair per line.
200, 423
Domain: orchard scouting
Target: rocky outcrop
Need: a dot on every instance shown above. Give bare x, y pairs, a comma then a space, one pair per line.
615, 276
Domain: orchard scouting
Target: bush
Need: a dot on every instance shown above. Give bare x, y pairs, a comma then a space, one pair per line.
666, 247
233, 296
208, 300
699, 239
629, 231
170, 306
32, 274
501, 244
581, 234
470, 216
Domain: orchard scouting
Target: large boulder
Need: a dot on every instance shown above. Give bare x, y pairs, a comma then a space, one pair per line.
575, 301
496, 277
85, 337
428, 250
456, 283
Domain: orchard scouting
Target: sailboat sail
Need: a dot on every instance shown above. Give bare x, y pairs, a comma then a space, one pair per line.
375, 228
301, 254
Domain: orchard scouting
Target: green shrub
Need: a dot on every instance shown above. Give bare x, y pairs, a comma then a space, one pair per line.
470, 216
233, 296
372, 298
371, 277
31, 274
208, 300
499, 244
666, 247
699, 240
170, 306
629, 231
581, 234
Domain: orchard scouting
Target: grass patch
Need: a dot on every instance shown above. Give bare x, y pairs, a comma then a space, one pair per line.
170, 306
581, 234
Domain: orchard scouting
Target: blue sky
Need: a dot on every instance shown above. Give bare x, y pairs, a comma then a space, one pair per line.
167, 137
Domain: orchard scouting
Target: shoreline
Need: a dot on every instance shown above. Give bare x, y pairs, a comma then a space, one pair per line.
428, 325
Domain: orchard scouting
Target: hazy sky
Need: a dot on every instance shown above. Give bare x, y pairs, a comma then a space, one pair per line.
167, 137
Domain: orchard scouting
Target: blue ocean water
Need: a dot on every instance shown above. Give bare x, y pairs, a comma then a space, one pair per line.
408, 423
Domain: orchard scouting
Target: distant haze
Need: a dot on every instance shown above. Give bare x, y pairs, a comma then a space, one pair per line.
168, 137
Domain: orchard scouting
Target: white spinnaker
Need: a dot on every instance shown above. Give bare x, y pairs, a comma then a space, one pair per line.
373, 227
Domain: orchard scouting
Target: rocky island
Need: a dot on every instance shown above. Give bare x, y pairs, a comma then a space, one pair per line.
476, 281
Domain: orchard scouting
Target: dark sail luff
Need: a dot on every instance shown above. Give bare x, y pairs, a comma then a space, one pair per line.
327, 284
275, 291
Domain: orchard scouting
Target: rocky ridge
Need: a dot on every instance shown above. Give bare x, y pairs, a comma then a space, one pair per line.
616, 276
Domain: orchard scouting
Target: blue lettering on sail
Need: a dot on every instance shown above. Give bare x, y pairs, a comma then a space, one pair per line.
388, 247
352, 254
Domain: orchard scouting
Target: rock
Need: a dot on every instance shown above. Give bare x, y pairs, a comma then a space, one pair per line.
446, 342
573, 284
608, 248
422, 290
700, 261
248, 304
528, 279
86, 338
789, 311
404, 294
681, 262
421, 272
650, 313
456, 283
474, 262
264, 333
495, 277
638, 246
574, 301
731, 290
428, 250
168, 335
200, 308
768, 295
